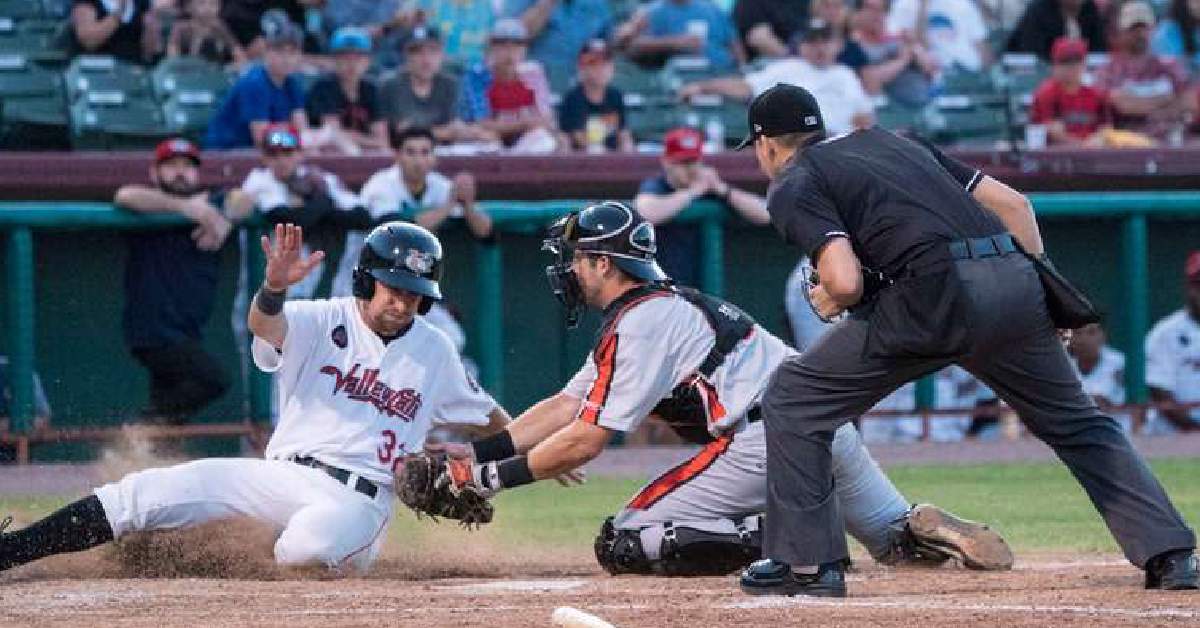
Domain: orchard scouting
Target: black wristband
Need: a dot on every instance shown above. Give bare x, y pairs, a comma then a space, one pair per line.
498, 446
268, 301
514, 472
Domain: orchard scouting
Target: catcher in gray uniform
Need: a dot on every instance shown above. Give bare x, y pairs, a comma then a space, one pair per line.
700, 364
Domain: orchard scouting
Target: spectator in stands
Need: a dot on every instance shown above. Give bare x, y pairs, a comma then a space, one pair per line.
1073, 113
116, 27
559, 29
286, 189
683, 180
1179, 34
422, 95
1045, 21
343, 107
41, 406
901, 68
510, 96
201, 33
667, 28
592, 114
412, 189
1148, 93
171, 281
952, 30
263, 95
838, 91
251, 19
1101, 368
1173, 360
384, 21
464, 24
766, 26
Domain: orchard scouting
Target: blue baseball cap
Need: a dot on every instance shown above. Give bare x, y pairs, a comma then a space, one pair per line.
351, 39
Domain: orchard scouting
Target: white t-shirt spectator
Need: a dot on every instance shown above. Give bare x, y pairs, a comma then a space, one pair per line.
1107, 380
269, 193
953, 29
837, 89
1173, 364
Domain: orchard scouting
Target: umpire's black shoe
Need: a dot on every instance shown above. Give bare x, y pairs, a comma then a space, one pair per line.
772, 577
1173, 571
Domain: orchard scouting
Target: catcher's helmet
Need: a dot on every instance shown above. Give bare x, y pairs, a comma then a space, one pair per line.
401, 255
608, 228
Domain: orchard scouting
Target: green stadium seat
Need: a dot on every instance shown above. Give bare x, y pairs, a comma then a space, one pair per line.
687, 69
21, 78
631, 78
40, 40
560, 76
188, 74
188, 113
21, 9
88, 73
970, 83
964, 119
895, 116
650, 120
32, 106
103, 120
730, 113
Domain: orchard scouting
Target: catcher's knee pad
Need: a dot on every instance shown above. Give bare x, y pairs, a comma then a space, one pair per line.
620, 551
689, 551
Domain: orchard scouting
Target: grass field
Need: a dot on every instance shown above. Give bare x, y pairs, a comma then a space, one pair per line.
1036, 506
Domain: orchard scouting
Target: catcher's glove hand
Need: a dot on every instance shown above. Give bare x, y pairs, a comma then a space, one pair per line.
432, 484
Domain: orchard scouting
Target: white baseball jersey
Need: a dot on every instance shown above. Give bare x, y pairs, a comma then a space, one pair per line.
351, 401
1173, 363
659, 341
386, 193
269, 192
1107, 379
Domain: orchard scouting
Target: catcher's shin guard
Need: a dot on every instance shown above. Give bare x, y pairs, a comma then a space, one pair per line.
620, 551
688, 551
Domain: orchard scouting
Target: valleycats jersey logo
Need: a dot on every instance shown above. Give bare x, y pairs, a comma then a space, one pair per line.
367, 388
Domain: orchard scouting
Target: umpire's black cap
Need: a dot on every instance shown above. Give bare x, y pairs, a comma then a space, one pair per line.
780, 110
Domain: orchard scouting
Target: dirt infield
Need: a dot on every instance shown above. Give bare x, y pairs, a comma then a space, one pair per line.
1046, 591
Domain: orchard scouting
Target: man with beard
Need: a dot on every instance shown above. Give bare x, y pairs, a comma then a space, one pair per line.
171, 279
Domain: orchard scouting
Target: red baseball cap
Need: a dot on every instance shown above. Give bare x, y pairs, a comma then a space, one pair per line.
1068, 50
683, 145
176, 147
1191, 269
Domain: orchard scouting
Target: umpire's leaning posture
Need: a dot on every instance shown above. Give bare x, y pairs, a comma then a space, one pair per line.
950, 287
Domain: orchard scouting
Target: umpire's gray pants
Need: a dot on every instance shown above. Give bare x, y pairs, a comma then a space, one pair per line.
1011, 345
727, 482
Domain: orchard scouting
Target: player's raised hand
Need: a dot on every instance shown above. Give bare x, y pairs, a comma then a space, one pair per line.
285, 263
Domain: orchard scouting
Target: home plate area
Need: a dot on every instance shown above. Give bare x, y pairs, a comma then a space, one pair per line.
1048, 590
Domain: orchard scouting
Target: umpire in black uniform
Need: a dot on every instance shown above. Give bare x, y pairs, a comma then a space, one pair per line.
921, 250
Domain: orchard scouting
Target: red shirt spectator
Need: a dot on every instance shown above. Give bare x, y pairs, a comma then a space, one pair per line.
1148, 93
1072, 111
510, 97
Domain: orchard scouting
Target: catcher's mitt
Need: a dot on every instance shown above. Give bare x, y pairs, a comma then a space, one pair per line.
425, 484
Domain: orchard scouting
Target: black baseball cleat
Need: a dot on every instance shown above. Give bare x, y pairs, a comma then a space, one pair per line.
772, 577
975, 545
1173, 571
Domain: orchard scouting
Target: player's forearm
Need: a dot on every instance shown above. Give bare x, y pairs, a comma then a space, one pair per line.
659, 209
541, 421
266, 319
750, 206
565, 451
1167, 407
479, 223
1014, 210
433, 218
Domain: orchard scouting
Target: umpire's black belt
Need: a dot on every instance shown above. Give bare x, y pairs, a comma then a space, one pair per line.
978, 248
362, 485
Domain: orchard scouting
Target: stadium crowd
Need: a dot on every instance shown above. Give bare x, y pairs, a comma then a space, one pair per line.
420, 78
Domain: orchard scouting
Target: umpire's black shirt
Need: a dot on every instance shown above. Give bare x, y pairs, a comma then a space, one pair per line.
893, 198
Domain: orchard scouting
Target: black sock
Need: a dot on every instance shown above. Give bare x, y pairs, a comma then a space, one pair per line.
78, 526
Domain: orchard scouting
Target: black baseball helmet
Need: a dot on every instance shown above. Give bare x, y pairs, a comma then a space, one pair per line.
401, 255
609, 228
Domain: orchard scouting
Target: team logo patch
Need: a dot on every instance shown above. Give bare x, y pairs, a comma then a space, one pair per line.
419, 262
339, 337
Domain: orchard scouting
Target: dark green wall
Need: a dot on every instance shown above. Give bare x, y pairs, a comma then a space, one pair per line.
91, 379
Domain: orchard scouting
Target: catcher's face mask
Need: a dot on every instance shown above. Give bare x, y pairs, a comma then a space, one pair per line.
563, 281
